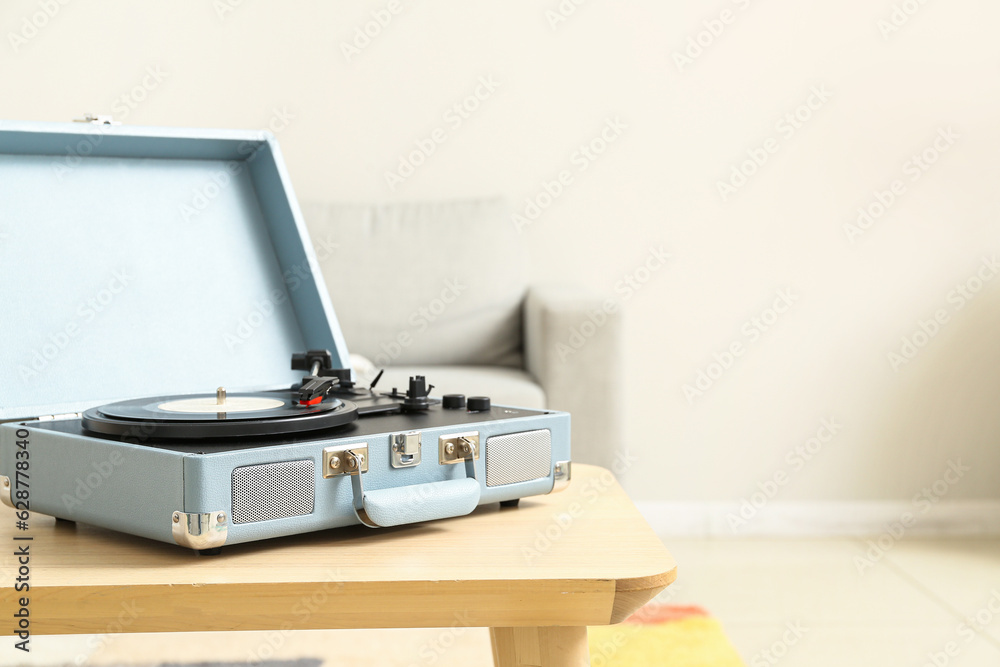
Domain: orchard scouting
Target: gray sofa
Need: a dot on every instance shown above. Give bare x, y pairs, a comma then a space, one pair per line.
443, 289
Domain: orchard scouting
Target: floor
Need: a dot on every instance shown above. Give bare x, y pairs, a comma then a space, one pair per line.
790, 602
849, 602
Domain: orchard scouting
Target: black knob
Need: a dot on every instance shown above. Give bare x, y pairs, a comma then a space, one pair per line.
479, 403
453, 401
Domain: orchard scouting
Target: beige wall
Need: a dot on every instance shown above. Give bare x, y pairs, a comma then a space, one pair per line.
680, 130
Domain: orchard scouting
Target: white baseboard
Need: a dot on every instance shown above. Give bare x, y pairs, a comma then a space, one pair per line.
822, 519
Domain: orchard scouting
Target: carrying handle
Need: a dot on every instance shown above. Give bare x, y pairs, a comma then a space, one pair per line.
419, 502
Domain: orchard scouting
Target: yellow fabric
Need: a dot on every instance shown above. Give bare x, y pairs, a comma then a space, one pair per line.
692, 642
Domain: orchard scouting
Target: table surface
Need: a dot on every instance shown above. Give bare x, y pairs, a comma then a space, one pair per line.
584, 556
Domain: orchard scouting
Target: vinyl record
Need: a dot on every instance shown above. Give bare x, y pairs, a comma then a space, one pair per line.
207, 416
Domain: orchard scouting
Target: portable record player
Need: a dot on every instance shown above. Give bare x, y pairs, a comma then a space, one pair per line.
173, 264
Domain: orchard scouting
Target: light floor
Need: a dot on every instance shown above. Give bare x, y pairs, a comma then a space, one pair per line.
915, 603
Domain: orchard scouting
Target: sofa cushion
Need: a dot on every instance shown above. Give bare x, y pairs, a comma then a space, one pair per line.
424, 283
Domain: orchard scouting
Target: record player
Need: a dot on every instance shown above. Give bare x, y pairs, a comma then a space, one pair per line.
173, 367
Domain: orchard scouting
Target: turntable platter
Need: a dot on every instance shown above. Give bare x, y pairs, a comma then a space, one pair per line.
212, 416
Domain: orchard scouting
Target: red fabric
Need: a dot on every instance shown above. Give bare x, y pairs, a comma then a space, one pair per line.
664, 613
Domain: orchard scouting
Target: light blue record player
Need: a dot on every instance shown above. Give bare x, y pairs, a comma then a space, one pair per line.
164, 262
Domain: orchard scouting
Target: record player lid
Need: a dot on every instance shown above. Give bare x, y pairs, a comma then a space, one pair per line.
146, 260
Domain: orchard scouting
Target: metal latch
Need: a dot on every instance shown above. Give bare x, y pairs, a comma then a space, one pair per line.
457, 447
405, 449
345, 459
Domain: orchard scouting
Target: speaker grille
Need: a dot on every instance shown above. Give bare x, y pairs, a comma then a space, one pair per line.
518, 457
273, 491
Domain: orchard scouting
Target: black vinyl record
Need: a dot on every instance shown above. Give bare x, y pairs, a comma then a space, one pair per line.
202, 416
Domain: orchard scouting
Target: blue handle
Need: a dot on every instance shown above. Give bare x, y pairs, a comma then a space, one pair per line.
419, 502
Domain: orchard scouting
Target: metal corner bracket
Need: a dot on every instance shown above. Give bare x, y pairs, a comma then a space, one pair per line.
201, 530
6, 488
562, 473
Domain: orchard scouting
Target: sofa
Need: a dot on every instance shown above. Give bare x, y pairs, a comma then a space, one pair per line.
444, 289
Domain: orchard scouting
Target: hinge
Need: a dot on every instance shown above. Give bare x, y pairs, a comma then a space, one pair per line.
53, 418
97, 120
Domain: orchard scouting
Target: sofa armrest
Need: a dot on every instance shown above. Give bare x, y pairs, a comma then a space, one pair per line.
572, 347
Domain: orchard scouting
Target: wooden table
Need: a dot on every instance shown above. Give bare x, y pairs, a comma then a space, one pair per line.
536, 575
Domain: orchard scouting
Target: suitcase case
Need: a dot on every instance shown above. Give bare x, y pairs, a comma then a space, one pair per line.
142, 261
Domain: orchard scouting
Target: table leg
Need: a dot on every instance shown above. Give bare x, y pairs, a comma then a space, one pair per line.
540, 647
